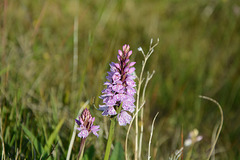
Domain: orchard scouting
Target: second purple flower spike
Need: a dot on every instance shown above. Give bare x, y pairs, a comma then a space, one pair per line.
85, 123
120, 88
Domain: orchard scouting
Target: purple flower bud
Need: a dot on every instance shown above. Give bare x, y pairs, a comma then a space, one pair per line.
129, 54
126, 48
126, 69
131, 70
118, 65
126, 61
120, 53
113, 67
85, 123
119, 58
107, 90
108, 84
78, 122
130, 76
103, 107
131, 64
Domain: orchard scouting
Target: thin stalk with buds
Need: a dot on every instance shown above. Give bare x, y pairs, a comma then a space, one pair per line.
149, 77
140, 81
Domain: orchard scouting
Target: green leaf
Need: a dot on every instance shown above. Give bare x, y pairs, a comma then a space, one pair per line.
53, 136
89, 153
118, 153
33, 139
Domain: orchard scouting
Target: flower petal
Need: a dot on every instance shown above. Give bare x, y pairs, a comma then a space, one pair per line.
121, 121
105, 112
126, 117
83, 134
132, 64
111, 111
131, 70
78, 122
120, 52
95, 129
129, 54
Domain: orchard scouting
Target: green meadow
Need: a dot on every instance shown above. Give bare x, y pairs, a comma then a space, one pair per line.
54, 59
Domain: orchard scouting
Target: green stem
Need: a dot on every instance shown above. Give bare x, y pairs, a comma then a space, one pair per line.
110, 138
81, 150
189, 154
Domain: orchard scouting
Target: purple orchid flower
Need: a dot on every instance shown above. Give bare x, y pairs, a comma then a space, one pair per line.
120, 88
85, 123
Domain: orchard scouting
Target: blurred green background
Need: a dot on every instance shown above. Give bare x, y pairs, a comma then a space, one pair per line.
198, 54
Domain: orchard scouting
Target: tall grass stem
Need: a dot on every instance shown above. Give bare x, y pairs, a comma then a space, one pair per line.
150, 139
213, 139
189, 154
3, 145
221, 123
149, 77
129, 127
75, 50
110, 138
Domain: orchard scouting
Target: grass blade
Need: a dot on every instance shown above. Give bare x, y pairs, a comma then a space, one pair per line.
118, 152
53, 136
33, 139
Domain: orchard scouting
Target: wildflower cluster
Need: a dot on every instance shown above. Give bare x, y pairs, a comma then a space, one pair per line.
193, 137
85, 122
120, 88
